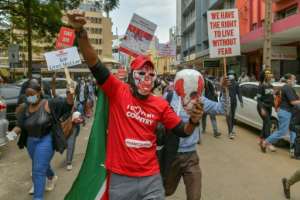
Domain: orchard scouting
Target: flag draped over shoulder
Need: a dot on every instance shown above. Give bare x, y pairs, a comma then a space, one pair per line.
91, 182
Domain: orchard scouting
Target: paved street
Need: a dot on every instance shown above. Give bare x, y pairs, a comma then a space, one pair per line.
232, 170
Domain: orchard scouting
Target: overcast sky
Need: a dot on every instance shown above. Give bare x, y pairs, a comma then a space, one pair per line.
160, 12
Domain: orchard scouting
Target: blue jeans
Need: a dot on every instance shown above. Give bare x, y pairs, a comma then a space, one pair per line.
80, 108
71, 143
284, 124
41, 152
213, 122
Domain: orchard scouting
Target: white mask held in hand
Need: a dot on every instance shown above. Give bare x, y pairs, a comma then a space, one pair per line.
189, 85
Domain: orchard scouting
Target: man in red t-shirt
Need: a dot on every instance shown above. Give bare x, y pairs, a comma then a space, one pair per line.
133, 116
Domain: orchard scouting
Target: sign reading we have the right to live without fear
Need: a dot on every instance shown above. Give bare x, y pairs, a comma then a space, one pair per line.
223, 33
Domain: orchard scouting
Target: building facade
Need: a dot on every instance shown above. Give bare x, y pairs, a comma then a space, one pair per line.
98, 27
194, 31
285, 36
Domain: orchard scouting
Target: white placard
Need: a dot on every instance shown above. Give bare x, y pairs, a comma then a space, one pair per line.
138, 36
65, 57
223, 33
168, 49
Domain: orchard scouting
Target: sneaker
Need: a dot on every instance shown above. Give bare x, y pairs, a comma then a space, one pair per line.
50, 185
69, 167
271, 148
31, 191
263, 146
292, 152
286, 188
231, 136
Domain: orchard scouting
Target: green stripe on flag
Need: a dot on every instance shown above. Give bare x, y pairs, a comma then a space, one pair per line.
92, 175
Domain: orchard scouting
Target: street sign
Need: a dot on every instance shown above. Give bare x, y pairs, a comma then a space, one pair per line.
138, 36
224, 33
62, 58
13, 54
65, 38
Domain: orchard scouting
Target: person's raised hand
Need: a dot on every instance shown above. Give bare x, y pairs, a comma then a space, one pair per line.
225, 82
197, 112
76, 19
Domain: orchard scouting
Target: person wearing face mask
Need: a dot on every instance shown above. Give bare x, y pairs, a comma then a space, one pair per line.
234, 92
265, 102
289, 101
134, 113
34, 123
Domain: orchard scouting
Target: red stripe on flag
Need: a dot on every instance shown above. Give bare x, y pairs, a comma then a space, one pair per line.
129, 52
106, 193
139, 32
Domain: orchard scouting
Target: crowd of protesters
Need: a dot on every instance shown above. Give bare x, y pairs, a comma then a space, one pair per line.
132, 127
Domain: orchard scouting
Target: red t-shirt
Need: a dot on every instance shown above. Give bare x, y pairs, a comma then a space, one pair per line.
131, 143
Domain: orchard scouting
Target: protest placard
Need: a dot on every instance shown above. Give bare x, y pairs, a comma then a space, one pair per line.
167, 49
223, 33
62, 58
138, 36
65, 38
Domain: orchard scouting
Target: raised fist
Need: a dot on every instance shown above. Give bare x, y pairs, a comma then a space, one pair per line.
76, 19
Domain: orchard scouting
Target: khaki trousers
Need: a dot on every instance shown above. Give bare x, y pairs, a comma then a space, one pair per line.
185, 165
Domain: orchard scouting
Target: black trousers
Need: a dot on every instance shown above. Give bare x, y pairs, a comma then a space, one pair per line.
230, 118
267, 123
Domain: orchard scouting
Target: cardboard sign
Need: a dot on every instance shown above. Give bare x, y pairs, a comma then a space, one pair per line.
167, 49
65, 38
138, 36
62, 58
224, 33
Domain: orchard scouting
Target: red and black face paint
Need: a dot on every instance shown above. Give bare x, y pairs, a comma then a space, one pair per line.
144, 80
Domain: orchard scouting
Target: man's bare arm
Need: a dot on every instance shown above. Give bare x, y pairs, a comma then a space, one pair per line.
87, 50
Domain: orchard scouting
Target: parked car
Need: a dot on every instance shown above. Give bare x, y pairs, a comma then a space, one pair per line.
249, 114
60, 83
3, 122
10, 94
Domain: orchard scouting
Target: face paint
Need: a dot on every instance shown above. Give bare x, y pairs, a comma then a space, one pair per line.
144, 80
189, 85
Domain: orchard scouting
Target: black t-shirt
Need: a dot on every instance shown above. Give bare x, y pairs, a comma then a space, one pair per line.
288, 94
265, 95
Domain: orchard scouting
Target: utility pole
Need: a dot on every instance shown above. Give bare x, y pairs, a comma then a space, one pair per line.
267, 57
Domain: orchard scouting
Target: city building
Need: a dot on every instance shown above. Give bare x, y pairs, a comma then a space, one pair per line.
285, 36
99, 29
194, 31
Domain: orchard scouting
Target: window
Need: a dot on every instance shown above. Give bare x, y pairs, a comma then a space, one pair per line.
287, 12
249, 90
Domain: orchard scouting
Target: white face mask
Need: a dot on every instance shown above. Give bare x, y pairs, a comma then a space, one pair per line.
231, 77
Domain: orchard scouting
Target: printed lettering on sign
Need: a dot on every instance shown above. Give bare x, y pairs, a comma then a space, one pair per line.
224, 33
137, 113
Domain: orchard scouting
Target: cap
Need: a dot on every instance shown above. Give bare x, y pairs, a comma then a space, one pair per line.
140, 61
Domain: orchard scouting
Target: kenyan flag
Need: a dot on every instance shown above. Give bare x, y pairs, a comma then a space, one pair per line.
91, 182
